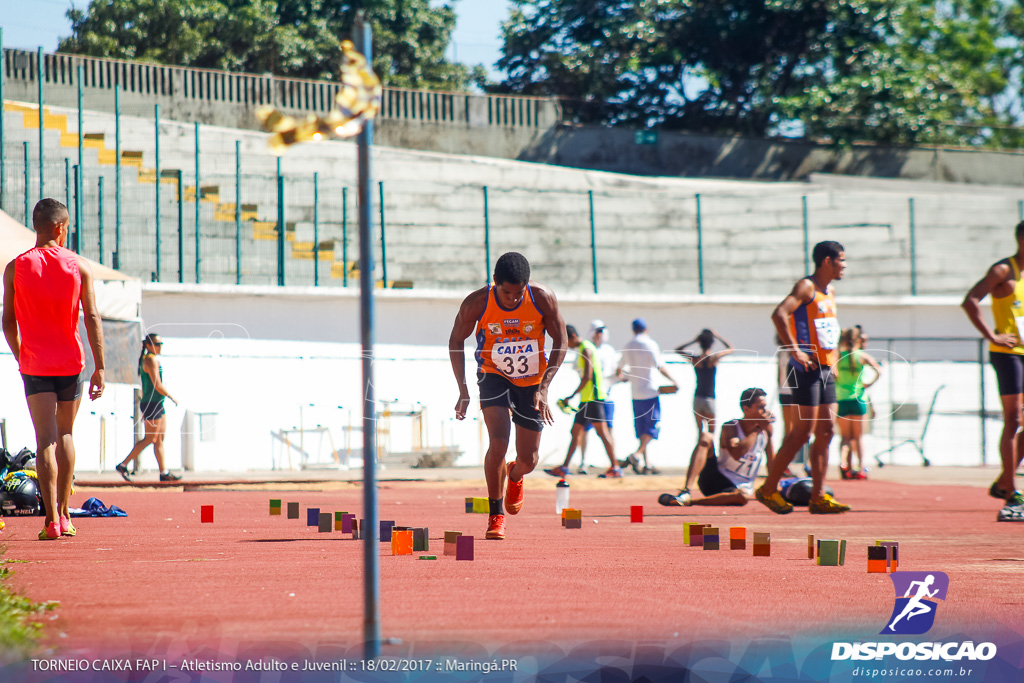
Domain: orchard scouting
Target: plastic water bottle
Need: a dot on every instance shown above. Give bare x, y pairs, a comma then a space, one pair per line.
561, 496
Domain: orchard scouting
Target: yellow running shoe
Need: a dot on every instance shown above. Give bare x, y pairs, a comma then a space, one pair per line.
775, 502
826, 505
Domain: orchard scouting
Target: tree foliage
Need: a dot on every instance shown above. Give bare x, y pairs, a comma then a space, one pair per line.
896, 71
298, 38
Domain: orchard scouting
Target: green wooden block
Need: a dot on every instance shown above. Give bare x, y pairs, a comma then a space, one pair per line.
428, 557
420, 539
828, 552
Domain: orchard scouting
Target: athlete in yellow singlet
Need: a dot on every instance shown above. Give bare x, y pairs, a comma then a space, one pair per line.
806, 323
510, 319
1006, 352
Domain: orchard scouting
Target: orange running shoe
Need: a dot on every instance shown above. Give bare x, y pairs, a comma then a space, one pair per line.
495, 528
513, 493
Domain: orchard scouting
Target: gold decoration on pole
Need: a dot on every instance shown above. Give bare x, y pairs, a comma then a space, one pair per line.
357, 102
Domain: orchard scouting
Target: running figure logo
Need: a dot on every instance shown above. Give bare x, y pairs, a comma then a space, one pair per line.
917, 594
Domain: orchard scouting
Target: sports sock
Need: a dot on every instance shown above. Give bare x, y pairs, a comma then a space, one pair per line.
497, 505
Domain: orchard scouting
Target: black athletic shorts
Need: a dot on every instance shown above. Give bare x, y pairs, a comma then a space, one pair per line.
67, 388
814, 387
1009, 372
496, 391
152, 411
591, 412
711, 479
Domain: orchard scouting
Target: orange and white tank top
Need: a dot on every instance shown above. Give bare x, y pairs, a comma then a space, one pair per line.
1009, 313
47, 291
510, 343
815, 327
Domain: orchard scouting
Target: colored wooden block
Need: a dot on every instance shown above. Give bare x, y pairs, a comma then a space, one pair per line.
762, 544
737, 538
293, 510
464, 548
347, 522
810, 546
326, 523
482, 506
877, 559
428, 557
737, 544
828, 552
450, 539
842, 552
385, 530
312, 516
275, 506
206, 514
337, 520
401, 543
420, 539
688, 530
636, 514
711, 538
893, 554
573, 523
470, 505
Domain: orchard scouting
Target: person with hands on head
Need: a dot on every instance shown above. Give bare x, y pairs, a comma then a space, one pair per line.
151, 406
510, 318
1006, 352
43, 290
705, 367
806, 323
728, 479
593, 392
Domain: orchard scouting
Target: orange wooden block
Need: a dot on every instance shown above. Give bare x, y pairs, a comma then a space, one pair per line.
401, 542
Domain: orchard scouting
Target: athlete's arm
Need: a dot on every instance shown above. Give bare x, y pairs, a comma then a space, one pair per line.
469, 313
868, 360
996, 275
729, 348
735, 447
10, 321
803, 291
93, 329
554, 325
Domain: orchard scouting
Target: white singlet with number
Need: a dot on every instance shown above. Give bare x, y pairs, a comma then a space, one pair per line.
744, 471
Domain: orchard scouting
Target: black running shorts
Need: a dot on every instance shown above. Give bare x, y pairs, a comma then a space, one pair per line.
815, 387
1009, 372
152, 411
711, 479
498, 392
67, 388
591, 412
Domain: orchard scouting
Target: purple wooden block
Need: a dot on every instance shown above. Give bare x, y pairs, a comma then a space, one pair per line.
385, 531
346, 523
312, 516
464, 548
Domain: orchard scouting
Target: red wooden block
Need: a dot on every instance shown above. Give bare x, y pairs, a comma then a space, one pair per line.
206, 514
636, 513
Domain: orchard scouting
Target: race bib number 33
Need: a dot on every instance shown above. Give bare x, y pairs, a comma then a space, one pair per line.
516, 359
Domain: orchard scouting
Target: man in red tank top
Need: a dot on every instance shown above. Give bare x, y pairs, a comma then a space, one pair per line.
513, 376
43, 289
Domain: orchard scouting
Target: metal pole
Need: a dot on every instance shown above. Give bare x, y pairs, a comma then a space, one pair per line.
80, 178
280, 226
1020, 203
42, 145
156, 142
117, 175
79, 242
371, 559
99, 215
28, 189
199, 193
892, 401
67, 202
344, 236
593, 239
181, 228
316, 229
913, 249
238, 212
383, 240
981, 409
700, 249
487, 239
807, 235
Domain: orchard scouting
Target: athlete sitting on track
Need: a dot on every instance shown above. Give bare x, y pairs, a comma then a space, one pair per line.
746, 443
